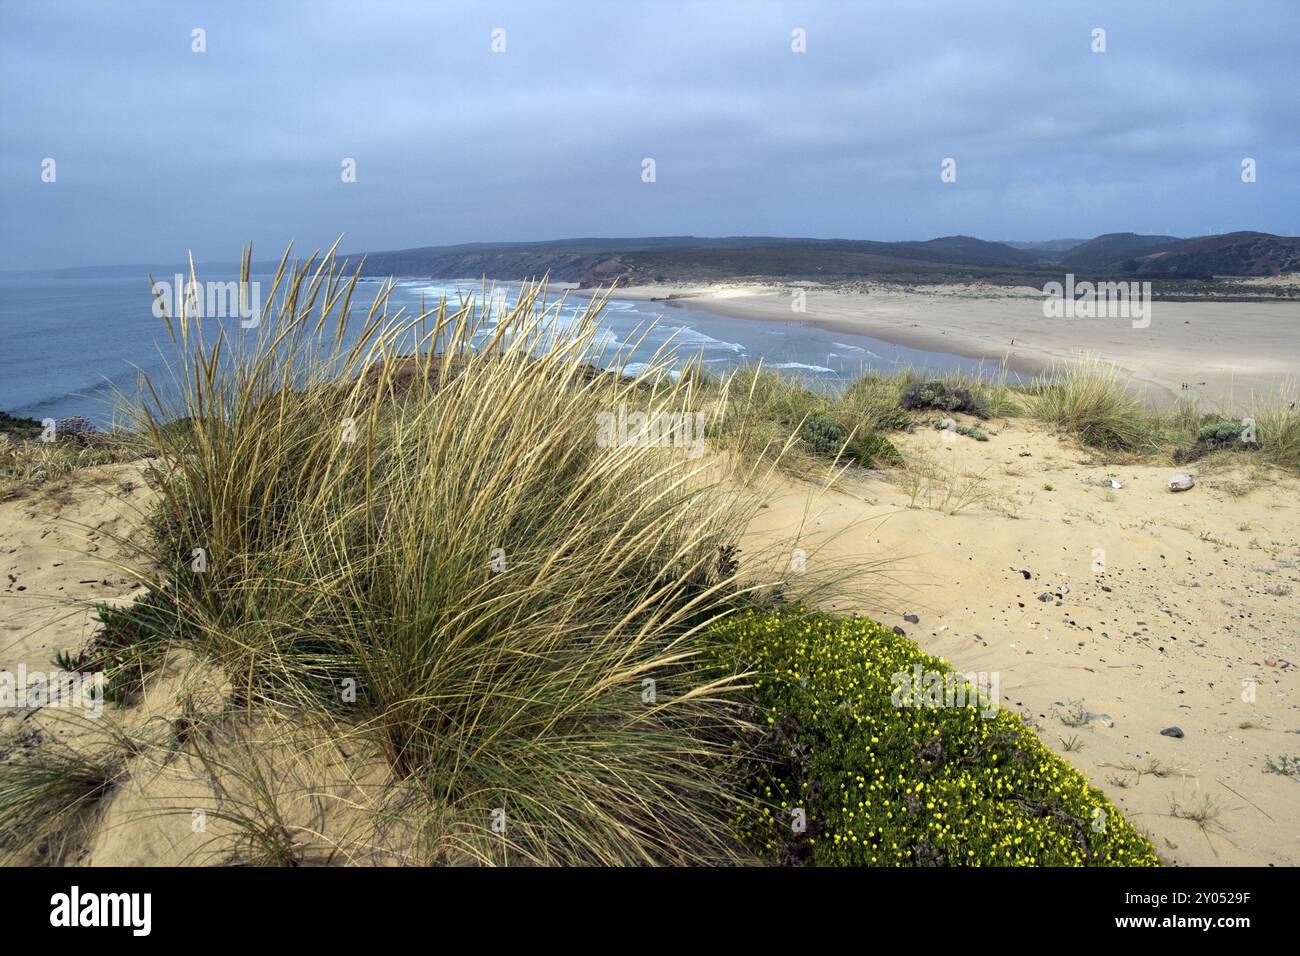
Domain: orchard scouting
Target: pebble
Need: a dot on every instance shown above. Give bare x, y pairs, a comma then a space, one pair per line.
1172, 732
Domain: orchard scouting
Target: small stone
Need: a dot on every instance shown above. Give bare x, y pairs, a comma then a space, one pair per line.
1181, 483
1172, 732
911, 619
899, 631
1046, 598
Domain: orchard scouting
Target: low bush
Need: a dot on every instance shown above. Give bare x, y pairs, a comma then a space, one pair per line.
19, 429
970, 431
1216, 434
881, 784
873, 450
823, 435
939, 395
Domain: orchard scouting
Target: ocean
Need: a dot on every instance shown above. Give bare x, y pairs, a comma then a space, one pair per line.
72, 346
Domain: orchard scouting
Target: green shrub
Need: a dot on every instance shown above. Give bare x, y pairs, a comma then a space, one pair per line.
970, 431
19, 428
824, 435
1220, 433
937, 394
1215, 434
902, 785
873, 450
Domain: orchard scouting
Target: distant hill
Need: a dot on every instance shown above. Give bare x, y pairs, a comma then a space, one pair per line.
1116, 251
676, 258
689, 258
963, 250
1231, 254
659, 259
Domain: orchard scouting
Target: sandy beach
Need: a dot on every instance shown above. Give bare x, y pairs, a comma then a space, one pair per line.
1163, 610
1222, 351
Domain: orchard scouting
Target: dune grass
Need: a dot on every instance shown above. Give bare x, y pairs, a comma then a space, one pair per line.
49, 793
769, 416
27, 462
413, 529
1088, 399
1277, 418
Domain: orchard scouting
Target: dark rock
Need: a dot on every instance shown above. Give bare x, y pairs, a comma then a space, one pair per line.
1172, 732
911, 619
1046, 597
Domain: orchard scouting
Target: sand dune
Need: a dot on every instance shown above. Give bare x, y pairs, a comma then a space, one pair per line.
1161, 610
1194, 609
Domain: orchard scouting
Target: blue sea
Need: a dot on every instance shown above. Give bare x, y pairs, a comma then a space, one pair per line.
72, 346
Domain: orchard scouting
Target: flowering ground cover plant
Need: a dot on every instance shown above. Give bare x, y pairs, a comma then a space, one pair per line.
852, 778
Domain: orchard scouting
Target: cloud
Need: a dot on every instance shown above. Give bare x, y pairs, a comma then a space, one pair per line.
160, 149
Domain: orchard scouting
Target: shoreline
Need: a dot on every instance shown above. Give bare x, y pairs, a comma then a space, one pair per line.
1245, 348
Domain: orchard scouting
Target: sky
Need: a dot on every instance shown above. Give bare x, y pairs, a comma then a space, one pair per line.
158, 149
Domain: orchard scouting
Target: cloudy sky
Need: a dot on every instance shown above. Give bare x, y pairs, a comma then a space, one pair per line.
159, 149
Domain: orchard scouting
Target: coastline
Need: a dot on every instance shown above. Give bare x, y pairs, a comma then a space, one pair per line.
1223, 352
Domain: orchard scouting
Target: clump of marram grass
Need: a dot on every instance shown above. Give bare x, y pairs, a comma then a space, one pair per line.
27, 462
771, 416
49, 795
1277, 423
1087, 399
437, 552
